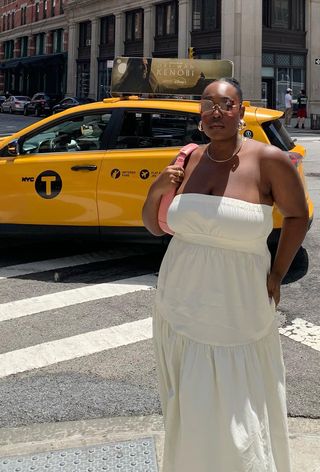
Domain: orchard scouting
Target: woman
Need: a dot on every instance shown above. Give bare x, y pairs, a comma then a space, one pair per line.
219, 358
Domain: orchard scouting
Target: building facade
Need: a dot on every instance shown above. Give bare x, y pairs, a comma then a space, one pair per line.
274, 44
33, 46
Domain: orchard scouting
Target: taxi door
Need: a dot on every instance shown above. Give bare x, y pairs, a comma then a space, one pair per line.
54, 179
145, 143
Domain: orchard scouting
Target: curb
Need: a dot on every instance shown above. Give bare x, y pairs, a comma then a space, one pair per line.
304, 437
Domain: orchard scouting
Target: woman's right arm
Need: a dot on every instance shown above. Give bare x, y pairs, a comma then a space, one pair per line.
169, 179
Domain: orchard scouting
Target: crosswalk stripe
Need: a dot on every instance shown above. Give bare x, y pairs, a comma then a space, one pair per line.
31, 306
304, 332
62, 262
53, 352
45, 354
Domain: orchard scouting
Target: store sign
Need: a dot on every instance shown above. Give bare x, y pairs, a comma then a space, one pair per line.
162, 76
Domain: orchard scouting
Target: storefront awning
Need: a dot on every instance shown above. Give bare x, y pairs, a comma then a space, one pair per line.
34, 61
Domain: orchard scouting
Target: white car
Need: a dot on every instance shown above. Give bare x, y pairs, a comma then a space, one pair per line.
14, 104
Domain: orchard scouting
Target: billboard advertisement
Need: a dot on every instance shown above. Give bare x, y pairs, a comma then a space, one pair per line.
163, 76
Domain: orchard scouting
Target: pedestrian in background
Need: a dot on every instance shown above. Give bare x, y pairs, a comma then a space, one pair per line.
302, 109
288, 107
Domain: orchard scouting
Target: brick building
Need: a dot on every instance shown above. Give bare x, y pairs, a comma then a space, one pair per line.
273, 43
33, 46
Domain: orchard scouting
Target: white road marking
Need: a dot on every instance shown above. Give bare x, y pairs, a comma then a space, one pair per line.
62, 262
304, 332
53, 352
31, 306
312, 138
49, 353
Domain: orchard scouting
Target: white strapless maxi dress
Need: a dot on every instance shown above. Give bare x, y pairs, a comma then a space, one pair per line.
220, 365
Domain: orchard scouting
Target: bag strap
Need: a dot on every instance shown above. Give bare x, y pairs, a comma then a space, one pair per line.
185, 152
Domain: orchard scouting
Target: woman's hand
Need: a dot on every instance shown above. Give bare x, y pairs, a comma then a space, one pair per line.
273, 286
169, 179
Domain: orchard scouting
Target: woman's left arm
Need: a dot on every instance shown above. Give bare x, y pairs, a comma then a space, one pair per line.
289, 196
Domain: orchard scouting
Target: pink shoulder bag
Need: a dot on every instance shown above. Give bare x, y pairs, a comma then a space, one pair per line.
167, 199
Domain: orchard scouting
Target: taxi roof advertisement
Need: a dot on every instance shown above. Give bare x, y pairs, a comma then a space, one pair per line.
136, 75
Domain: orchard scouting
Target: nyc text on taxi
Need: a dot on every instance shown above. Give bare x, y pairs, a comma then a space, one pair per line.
87, 170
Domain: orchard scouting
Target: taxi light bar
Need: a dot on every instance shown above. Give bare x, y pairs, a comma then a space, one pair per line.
111, 100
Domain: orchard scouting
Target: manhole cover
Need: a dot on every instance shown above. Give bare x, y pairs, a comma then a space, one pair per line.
125, 456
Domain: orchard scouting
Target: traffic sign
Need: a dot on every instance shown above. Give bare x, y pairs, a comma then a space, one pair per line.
317, 61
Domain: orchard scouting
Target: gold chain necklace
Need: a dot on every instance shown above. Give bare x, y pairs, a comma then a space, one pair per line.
223, 160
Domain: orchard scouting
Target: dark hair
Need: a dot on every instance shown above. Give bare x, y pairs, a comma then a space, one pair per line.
234, 82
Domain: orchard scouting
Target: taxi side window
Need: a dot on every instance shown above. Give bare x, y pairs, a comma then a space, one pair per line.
158, 129
79, 133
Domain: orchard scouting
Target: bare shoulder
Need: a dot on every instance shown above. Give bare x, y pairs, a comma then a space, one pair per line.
271, 158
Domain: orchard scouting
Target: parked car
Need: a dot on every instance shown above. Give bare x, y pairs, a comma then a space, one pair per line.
2, 98
88, 171
41, 104
69, 102
14, 104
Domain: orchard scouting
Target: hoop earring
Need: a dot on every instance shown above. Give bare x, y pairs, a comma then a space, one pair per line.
200, 128
242, 124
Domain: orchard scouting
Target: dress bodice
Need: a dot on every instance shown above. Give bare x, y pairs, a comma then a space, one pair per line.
212, 281
221, 221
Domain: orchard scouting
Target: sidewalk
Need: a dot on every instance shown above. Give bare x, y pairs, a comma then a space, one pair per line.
297, 131
33, 440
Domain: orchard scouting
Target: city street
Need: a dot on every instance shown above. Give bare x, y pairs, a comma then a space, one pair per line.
76, 329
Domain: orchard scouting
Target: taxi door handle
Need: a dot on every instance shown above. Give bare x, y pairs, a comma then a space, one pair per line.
89, 167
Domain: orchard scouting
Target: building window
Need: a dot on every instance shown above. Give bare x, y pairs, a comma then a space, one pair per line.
23, 13
85, 34
288, 70
104, 79
167, 19
134, 25
107, 30
83, 79
45, 8
57, 41
8, 21
52, 7
12, 20
39, 43
24, 46
37, 11
283, 14
4, 22
8, 49
61, 7
206, 15
280, 14
298, 17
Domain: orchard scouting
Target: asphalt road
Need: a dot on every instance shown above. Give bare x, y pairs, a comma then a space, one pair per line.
11, 123
47, 308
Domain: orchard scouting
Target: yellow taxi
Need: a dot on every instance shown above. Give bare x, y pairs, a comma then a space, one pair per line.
87, 170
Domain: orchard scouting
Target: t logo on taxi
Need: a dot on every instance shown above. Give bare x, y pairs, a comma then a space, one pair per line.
48, 184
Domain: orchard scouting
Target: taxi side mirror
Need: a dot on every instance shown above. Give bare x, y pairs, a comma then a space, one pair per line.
14, 148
